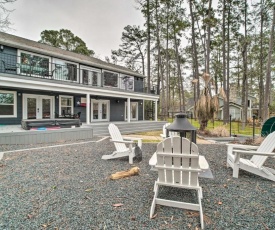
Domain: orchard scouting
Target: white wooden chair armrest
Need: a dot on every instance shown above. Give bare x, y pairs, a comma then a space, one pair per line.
238, 151
139, 139
242, 146
122, 141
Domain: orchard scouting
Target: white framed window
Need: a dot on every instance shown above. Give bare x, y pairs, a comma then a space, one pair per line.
66, 104
8, 103
65, 70
127, 82
110, 79
90, 76
33, 64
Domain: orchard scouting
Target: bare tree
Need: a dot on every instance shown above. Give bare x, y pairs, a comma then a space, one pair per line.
5, 22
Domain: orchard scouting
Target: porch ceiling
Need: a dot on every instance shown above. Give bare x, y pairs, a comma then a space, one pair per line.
54, 86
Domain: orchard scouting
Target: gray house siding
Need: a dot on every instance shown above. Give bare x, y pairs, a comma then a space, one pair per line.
140, 111
13, 45
117, 109
138, 85
8, 57
117, 106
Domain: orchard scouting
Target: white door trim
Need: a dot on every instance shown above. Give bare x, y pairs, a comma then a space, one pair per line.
39, 99
100, 102
131, 114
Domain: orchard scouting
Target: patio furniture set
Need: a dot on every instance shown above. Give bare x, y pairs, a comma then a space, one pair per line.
179, 164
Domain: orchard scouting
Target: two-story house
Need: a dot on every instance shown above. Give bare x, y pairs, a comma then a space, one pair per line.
235, 105
38, 81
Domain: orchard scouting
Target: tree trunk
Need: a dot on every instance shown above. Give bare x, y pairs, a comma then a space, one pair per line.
148, 48
158, 47
224, 60
261, 80
195, 58
227, 90
244, 83
180, 85
167, 56
208, 39
268, 71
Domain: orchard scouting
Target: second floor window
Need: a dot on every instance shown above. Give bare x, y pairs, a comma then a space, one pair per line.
33, 64
90, 76
64, 70
127, 83
110, 79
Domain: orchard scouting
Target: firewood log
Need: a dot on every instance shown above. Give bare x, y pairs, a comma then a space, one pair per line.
131, 172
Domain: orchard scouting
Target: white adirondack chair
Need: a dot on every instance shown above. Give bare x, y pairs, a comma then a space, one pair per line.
178, 168
164, 132
259, 155
120, 144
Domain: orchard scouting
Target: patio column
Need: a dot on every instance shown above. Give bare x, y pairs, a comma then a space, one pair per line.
88, 108
143, 110
156, 110
128, 110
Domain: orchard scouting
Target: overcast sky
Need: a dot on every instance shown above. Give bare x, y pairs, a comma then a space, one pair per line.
99, 23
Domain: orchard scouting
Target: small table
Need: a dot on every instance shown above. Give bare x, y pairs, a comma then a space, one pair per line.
206, 172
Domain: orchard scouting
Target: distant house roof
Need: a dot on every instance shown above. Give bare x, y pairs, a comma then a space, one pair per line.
233, 104
29, 45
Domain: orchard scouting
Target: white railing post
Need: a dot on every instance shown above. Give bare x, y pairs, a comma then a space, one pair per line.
143, 110
128, 110
156, 110
88, 108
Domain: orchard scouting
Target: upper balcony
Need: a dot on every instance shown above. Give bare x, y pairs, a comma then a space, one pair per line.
39, 66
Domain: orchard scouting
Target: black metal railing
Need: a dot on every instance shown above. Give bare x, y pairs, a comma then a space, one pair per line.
40, 67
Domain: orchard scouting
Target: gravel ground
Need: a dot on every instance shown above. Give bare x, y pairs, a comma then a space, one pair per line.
68, 188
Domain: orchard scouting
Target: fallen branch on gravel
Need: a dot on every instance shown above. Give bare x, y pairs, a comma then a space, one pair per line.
131, 172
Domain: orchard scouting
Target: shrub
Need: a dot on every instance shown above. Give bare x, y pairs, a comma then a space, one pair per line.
220, 131
257, 141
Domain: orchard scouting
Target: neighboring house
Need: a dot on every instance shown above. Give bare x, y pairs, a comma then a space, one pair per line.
38, 81
235, 108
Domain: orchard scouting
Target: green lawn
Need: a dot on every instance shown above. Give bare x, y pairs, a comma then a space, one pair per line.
236, 127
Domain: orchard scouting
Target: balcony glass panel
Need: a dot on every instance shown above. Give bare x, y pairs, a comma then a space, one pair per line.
85, 76
110, 79
64, 71
127, 83
31, 64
